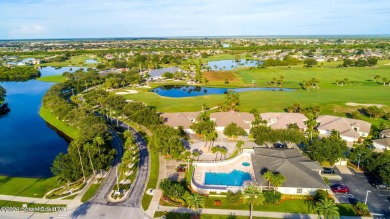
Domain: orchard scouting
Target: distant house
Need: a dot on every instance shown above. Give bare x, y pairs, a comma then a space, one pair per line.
381, 144
184, 119
223, 119
109, 56
282, 120
351, 130
302, 175
385, 133
156, 74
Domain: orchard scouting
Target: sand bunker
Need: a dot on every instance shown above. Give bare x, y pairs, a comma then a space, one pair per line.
126, 92
362, 104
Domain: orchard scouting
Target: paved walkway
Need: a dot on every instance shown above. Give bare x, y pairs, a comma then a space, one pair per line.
344, 169
154, 204
246, 213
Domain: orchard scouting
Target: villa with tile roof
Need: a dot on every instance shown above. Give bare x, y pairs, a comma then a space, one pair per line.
302, 175
385, 133
282, 120
381, 144
351, 130
223, 119
184, 119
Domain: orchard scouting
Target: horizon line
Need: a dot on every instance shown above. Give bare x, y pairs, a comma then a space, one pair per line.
205, 36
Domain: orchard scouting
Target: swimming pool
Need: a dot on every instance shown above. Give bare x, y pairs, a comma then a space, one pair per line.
234, 178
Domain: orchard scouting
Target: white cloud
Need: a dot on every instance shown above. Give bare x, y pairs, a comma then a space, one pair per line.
28, 30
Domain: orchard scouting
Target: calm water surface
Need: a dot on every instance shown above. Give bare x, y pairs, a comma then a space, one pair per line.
192, 91
28, 145
221, 65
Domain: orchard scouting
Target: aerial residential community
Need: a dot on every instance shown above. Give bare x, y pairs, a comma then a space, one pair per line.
100, 120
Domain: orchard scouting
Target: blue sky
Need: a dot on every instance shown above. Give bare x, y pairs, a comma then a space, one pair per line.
29, 19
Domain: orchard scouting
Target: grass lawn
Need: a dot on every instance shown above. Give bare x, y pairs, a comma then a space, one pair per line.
172, 215
153, 178
52, 120
78, 60
347, 210
90, 192
29, 187
70, 197
31, 206
52, 78
330, 97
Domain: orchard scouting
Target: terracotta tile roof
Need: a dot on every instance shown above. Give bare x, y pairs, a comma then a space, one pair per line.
179, 119
223, 119
343, 125
282, 120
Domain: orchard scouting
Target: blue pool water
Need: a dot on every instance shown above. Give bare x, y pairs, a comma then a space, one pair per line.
246, 164
234, 178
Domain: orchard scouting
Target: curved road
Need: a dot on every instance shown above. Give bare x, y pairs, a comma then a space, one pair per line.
99, 206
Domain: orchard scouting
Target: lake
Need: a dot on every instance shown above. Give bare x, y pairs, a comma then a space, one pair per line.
221, 65
193, 91
91, 61
28, 145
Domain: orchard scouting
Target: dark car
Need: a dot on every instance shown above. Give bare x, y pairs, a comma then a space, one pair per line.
337, 188
328, 170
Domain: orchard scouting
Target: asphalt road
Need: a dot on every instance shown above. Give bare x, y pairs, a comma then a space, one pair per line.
99, 206
359, 183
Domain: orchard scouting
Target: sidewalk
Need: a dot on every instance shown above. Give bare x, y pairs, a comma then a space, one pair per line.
154, 204
246, 213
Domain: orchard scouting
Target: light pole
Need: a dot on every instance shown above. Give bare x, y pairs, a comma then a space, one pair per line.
358, 161
365, 202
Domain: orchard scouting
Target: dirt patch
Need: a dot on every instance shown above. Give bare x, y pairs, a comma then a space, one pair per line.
362, 104
220, 76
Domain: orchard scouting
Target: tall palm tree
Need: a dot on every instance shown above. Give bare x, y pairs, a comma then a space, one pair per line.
268, 176
253, 195
88, 146
327, 208
195, 201
377, 77
99, 141
78, 145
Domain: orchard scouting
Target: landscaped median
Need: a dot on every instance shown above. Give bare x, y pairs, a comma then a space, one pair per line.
153, 178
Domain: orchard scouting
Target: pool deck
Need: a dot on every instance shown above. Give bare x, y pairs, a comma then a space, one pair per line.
223, 167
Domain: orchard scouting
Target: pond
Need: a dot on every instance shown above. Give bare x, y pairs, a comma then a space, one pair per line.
28, 144
192, 91
222, 65
91, 61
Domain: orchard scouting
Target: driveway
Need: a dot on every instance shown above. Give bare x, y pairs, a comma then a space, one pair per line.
359, 183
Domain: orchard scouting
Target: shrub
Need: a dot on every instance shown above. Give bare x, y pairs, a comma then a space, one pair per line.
361, 207
320, 195
233, 198
271, 198
217, 202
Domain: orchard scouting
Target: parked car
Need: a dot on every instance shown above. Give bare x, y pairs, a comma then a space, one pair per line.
337, 188
381, 186
328, 170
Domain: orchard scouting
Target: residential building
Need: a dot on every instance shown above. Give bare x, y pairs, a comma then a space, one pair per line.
184, 119
282, 120
351, 130
223, 119
381, 144
156, 74
385, 133
302, 175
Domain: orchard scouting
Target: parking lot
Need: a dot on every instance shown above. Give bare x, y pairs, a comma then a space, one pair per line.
378, 200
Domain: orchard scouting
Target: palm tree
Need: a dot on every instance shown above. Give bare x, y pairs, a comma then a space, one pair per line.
215, 151
196, 153
195, 201
327, 208
384, 81
99, 141
88, 146
222, 151
78, 145
311, 123
277, 180
253, 195
268, 176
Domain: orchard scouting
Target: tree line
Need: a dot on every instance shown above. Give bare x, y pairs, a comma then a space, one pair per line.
18, 73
